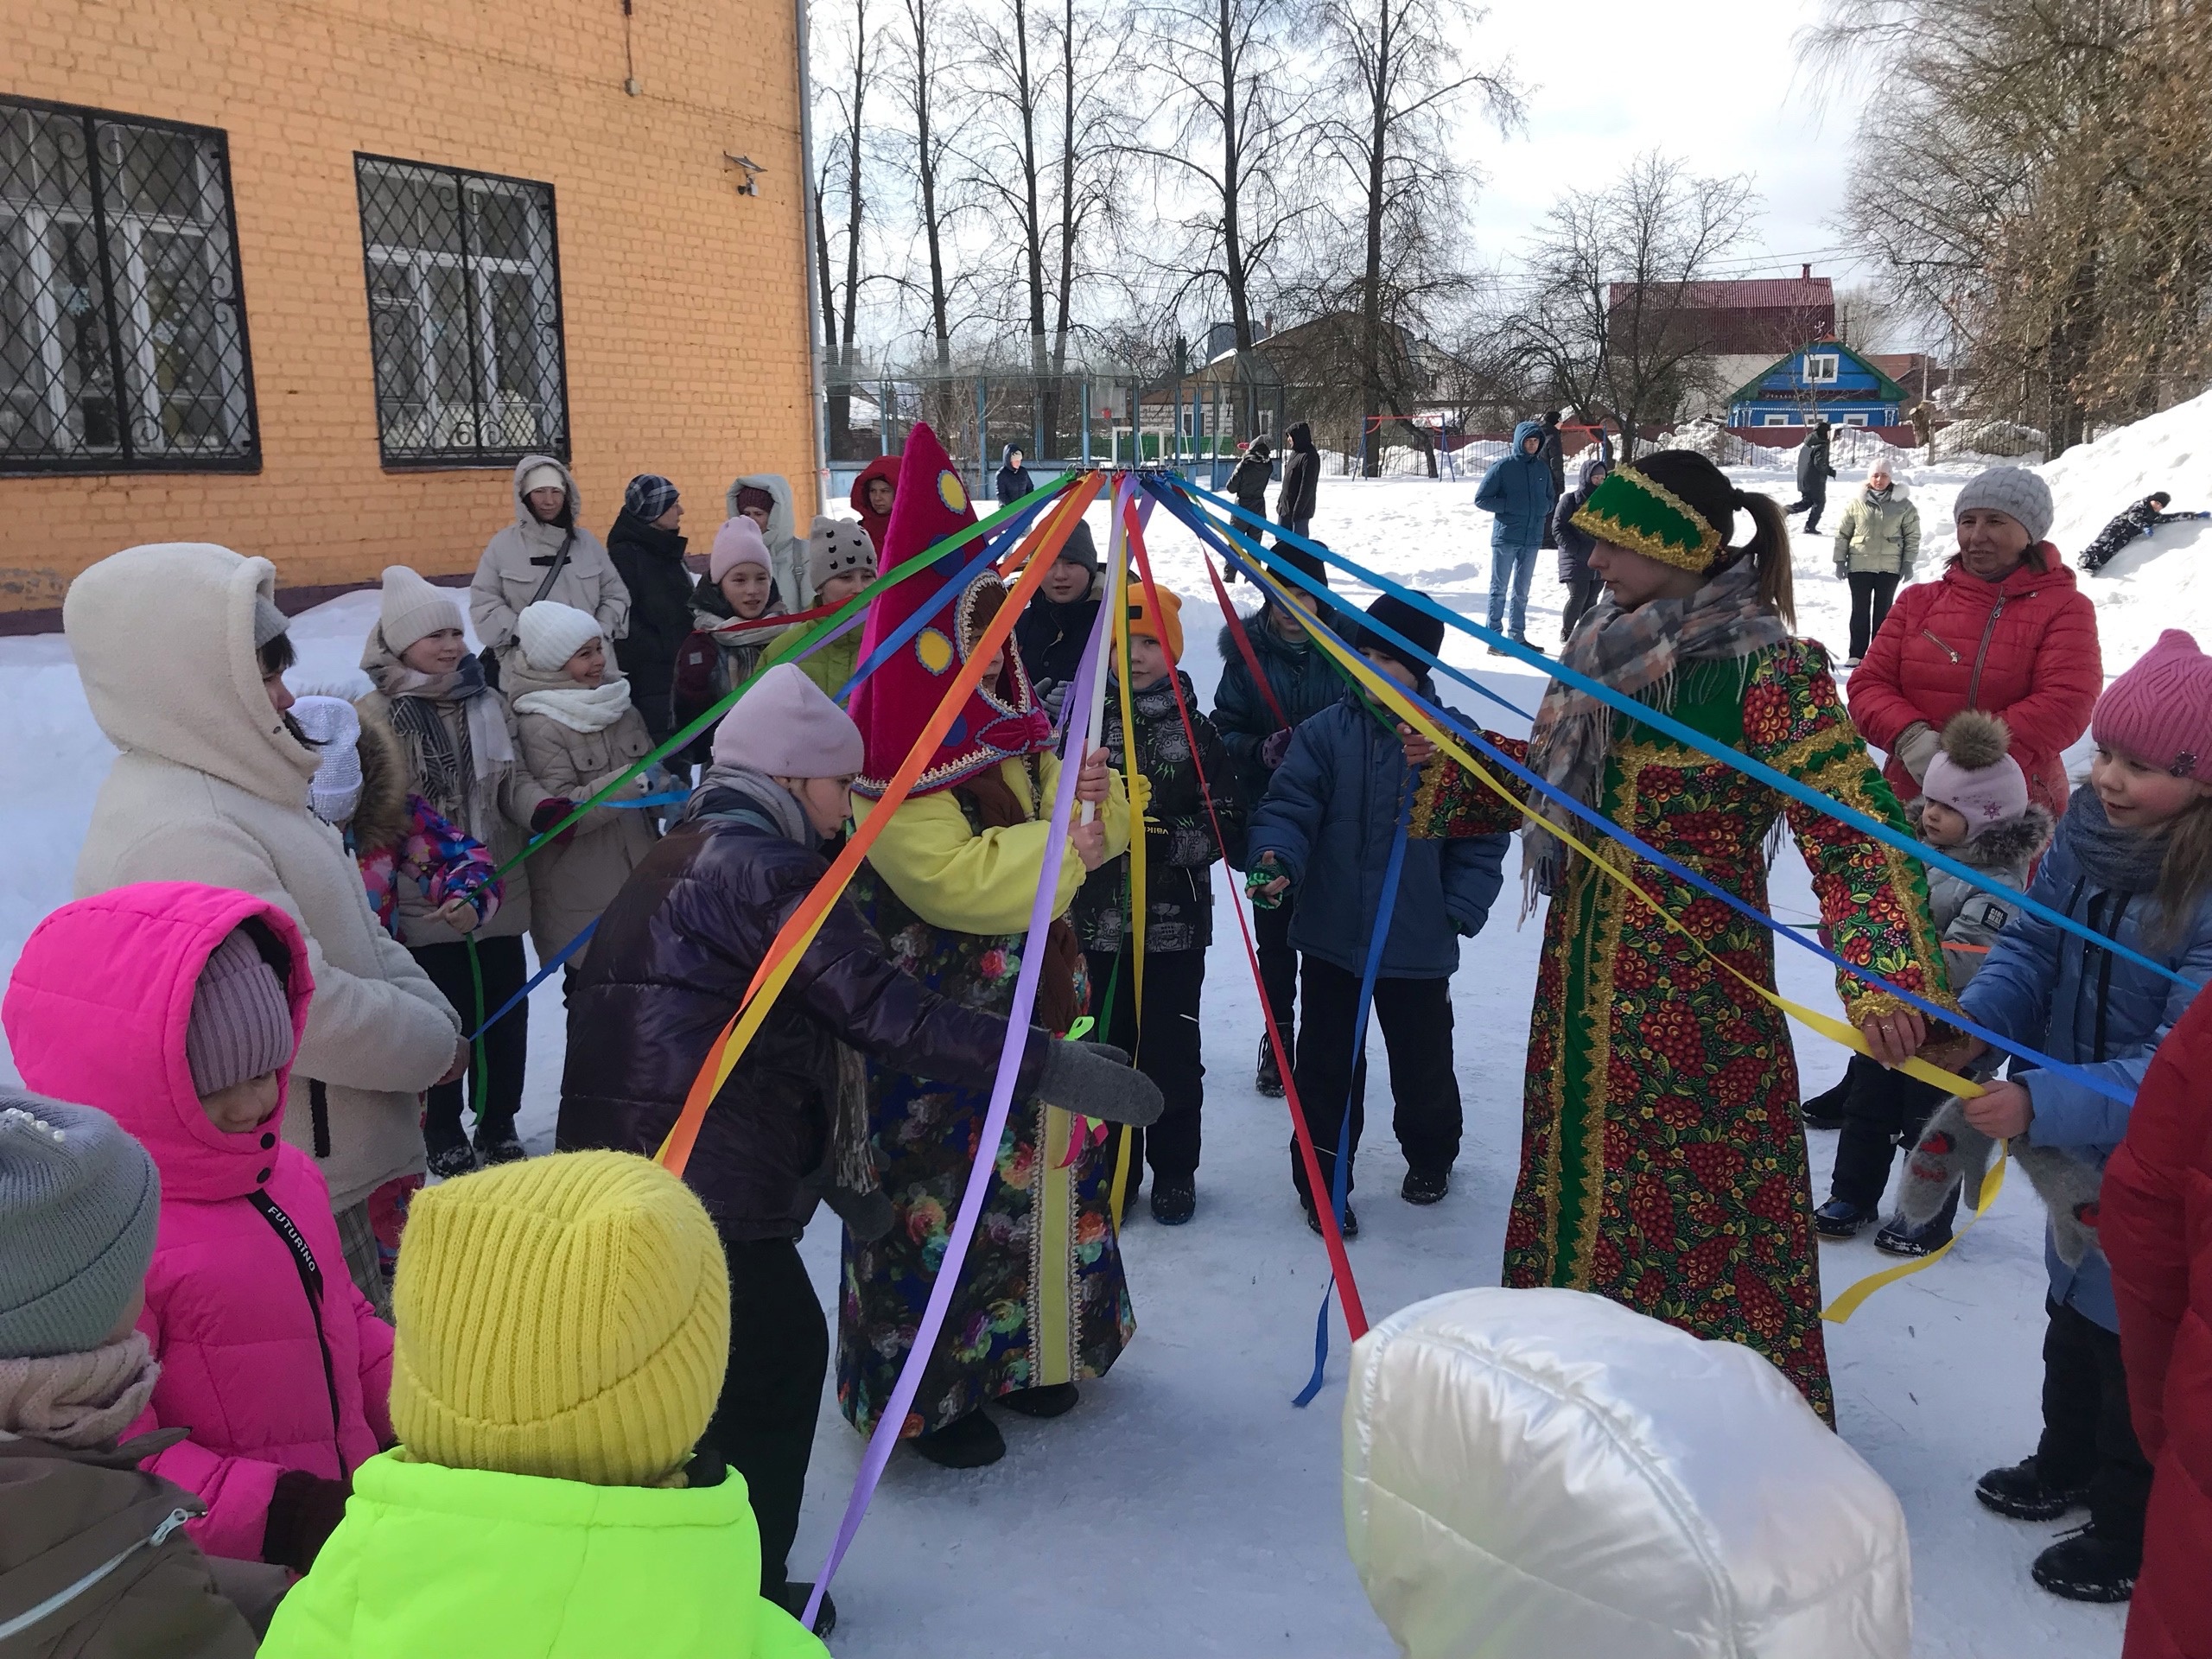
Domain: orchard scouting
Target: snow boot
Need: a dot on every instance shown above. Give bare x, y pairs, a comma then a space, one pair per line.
1053, 1400
794, 1603
1825, 1111
1839, 1218
1901, 1237
448, 1152
1352, 1220
1269, 1080
969, 1442
498, 1143
2089, 1566
1426, 1185
2023, 1491
1173, 1201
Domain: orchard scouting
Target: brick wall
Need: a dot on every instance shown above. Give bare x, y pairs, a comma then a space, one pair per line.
685, 302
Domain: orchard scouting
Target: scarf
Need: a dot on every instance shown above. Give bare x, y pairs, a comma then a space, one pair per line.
461, 772
1636, 651
581, 709
79, 1400
769, 798
2115, 859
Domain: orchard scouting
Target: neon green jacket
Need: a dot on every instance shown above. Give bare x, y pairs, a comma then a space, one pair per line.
431, 1560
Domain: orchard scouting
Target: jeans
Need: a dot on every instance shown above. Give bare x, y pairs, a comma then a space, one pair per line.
1581, 594
506, 1045
1299, 526
1518, 565
1168, 1054
2088, 1435
1415, 1015
1870, 593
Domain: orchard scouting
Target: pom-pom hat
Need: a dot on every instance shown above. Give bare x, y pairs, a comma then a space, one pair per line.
2160, 711
1974, 774
1633, 511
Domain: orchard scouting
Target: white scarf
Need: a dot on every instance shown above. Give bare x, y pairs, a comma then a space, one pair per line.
581, 709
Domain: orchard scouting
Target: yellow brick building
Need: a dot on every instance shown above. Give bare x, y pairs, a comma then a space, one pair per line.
304, 276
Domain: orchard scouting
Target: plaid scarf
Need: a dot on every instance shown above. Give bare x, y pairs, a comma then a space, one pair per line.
1635, 651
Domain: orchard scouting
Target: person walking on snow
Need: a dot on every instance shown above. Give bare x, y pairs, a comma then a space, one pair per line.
1574, 572
1813, 474
2138, 520
1301, 480
1877, 544
1516, 492
546, 553
1013, 481
648, 555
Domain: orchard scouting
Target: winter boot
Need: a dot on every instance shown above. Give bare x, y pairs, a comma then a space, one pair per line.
1174, 1201
1839, 1218
2089, 1566
2023, 1491
969, 1442
1053, 1400
1426, 1185
1352, 1220
450, 1153
497, 1142
1269, 1081
1901, 1237
1825, 1111
794, 1603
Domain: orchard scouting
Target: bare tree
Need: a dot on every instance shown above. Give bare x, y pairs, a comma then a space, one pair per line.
844, 169
922, 86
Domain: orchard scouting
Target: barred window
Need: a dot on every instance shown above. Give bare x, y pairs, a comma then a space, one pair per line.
122, 342
464, 315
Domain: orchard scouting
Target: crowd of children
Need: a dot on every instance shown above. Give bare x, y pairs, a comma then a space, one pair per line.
299, 916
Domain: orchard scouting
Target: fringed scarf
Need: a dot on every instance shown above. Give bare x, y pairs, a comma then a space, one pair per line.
458, 768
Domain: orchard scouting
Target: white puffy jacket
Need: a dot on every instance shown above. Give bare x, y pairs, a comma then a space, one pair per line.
1544, 1472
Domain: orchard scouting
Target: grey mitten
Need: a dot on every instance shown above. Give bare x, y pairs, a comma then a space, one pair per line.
1054, 694
1916, 746
1094, 1081
2069, 1190
1951, 1150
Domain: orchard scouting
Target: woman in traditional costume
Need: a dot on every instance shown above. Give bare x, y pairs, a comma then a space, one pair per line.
950, 884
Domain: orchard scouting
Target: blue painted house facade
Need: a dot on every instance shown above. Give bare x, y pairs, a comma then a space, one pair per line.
1825, 378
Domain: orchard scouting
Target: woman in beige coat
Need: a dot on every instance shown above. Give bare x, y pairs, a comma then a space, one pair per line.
549, 516
182, 652
578, 732
463, 759
1877, 544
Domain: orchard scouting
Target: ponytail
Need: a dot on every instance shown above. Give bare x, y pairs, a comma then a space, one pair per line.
1704, 489
1769, 552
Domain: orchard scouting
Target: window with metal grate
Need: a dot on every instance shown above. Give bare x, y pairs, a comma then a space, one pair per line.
464, 285
122, 341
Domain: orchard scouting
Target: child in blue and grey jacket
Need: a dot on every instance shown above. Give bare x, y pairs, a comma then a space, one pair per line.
2133, 860
1325, 830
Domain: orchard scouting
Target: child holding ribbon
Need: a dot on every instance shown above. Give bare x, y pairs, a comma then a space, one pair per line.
725, 644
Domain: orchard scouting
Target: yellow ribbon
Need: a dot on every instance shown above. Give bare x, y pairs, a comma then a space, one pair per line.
1848, 1301
1140, 788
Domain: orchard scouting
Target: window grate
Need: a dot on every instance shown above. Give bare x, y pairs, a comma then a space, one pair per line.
122, 342
464, 286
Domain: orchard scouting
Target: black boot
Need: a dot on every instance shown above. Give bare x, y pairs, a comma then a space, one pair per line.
1052, 1399
497, 1142
1426, 1185
1351, 1219
2089, 1566
1839, 1218
2024, 1492
447, 1146
1174, 1199
794, 1602
969, 1442
1825, 1111
1269, 1080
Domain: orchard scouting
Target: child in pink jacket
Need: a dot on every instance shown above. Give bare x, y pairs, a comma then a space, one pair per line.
176, 1008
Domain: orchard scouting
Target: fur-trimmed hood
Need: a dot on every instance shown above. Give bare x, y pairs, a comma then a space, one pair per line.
2008, 843
381, 821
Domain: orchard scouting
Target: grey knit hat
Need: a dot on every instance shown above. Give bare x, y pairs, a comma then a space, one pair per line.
649, 496
78, 1200
241, 1021
268, 621
837, 547
2019, 494
1079, 549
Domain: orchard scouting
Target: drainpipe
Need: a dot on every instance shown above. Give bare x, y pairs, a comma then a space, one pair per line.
815, 345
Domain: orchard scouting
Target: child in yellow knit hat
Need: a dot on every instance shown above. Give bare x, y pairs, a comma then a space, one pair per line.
563, 1326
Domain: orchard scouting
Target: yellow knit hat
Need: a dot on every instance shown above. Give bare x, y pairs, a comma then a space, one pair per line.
566, 1316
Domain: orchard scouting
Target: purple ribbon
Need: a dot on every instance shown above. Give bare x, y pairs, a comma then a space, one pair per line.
885, 1440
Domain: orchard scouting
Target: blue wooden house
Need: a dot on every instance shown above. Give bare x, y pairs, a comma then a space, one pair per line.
1825, 378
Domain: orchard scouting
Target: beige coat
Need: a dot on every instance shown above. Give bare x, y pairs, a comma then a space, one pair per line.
571, 884
1876, 535
211, 787
506, 580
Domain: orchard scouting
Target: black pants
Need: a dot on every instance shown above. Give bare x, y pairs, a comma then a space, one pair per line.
1278, 967
1581, 594
1169, 1054
1818, 504
1415, 1015
1881, 1110
1870, 593
2086, 1433
506, 1045
763, 1425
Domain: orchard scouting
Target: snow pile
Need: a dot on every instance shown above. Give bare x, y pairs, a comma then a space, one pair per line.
1998, 439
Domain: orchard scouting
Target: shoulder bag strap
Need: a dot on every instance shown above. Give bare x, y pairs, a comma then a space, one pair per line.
560, 564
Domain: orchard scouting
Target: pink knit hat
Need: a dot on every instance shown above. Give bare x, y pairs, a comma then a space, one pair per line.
241, 1020
1974, 774
786, 727
738, 542
2160, 711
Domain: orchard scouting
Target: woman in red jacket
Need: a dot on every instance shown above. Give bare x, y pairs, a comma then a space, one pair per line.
2155, 1226
2005, 631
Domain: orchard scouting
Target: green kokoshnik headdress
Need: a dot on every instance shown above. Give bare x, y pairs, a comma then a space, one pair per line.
1642, 515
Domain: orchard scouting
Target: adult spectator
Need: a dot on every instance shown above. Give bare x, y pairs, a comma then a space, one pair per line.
1012, 481
1555, 458
182, 653
1248, 483
1516, 492
545, 553
765, 498
1574, 543
2005, 630
1813, 474
648, 554
1302, 478
1877, 543
873, 493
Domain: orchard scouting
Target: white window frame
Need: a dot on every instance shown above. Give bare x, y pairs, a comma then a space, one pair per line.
1784, 418
1822, 368
1855, 419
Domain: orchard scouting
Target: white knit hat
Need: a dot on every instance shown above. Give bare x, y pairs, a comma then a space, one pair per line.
546, 477
334, 793
413, 608
551, 632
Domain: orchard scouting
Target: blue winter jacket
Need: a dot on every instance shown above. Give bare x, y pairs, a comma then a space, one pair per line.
1517, 491
2079, 1003
1304, 682
1329, 816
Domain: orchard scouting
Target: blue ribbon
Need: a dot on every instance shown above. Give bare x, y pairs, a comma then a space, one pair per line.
667, 798
543, 974
1378, 934
1661, 722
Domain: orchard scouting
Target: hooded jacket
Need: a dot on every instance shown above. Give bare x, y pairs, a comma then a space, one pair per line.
1970, 918
1299, 674
1013, 482
437, 1561
1545, 1473
1329, 817
668, 968
1248, 483
1813, 469
268, 1373
1516, 492
1877, 535
2155, 1222
1301, 476
1575, 546
887, 468
650, 561
786, 547
210, 786
2024, 648
516, 559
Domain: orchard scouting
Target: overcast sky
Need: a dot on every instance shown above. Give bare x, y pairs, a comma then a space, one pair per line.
1714, 81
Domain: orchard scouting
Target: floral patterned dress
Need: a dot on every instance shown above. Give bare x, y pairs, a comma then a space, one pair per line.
1663, 1163
1042, 1299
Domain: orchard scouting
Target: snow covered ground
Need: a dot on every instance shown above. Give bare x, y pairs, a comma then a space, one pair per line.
1186, 1507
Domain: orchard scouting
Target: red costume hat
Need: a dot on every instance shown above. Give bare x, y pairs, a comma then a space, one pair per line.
1002, 721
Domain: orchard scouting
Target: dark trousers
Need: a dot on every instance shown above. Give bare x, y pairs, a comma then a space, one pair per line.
1818, 504
506, 1045
1883, 1111
2087, 1434
1581, 594
763, 1425
1415, 1015
1870, 593
1278, 968
1169, 1054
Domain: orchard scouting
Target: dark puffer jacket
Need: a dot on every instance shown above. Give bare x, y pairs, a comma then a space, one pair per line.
1302, 477
651, 563
1575, 545
1301, 676
668, 968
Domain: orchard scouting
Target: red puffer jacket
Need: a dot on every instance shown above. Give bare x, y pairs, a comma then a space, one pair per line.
2155, 1226
2024, 648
